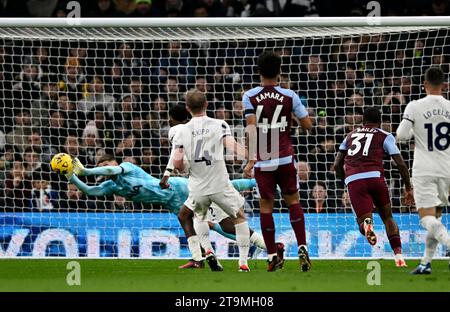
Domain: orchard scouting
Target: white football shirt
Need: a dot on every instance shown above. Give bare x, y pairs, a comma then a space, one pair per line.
431, 129
172, 132
201, 140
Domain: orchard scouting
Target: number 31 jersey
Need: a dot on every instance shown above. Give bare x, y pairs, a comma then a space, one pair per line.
431, 129
201, 140
273, 107
365, 148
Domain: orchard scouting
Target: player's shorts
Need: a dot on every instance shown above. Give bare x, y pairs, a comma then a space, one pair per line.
431, 191
267, 180
367, 193
215, 214
229, 200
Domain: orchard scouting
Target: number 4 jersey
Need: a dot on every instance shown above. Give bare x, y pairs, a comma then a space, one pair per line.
431, 129
201, 140
365, 148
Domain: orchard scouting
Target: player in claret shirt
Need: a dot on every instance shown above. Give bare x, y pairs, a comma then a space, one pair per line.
360, 160
268, 112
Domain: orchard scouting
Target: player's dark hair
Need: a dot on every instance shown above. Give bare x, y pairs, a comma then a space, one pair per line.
179, 113
106, 157
372, 115
269, 64
195, 100
434, 76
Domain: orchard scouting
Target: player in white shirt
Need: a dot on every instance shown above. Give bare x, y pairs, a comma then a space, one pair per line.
428, 120
202, 142
216, 219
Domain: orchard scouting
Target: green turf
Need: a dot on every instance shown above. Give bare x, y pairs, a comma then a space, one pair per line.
157, 275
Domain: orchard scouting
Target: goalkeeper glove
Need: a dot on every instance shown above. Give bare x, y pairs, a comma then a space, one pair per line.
78, 167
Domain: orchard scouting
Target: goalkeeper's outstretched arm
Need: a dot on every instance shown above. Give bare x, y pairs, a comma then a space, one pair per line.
97, 190
80, 170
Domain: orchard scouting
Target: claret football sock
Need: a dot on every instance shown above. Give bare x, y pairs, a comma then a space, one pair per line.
268, 232
298, 223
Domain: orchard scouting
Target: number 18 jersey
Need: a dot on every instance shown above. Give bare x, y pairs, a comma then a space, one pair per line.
365, 148
431, 128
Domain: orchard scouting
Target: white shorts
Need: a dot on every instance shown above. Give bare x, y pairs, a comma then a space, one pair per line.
216, 214
229, 201
431, 191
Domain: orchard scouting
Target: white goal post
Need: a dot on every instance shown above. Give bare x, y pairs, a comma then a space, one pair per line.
91, 86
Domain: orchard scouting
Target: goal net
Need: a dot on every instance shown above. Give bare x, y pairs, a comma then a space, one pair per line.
87, 91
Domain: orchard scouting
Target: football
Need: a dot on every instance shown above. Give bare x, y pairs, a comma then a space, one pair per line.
61, 163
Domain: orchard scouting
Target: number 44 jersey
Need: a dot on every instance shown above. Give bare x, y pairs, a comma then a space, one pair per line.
430, 117
365, 148
202, 142
273, 107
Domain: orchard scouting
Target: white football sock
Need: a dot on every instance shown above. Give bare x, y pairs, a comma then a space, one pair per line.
202, 230
430, 247
257, 240
194, 248
243, 241
436, 229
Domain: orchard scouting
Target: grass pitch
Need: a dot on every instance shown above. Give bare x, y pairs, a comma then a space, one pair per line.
164, 276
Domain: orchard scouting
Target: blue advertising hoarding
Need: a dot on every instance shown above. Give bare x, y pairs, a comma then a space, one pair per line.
159, 235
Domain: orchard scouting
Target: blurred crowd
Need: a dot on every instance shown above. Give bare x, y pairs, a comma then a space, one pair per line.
220, 8
91, 98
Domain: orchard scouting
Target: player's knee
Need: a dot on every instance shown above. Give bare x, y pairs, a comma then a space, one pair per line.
429, 223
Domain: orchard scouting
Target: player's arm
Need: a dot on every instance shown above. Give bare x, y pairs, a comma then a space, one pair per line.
97, 190
339, 161
244, 184
178, 155
391, 148
164, 183
80, 170
178, 151
405, 129
231, 145
301, 113
251, 136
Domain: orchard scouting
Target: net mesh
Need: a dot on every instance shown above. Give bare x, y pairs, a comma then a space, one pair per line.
91, 91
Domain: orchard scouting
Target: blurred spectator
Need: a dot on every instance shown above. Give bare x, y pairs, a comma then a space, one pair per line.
96, 96
159, 116
43, 147
175, 61
28, 84
305, 182
48, 98
43, 198
144, 8
33, 163
74, 200
215, 8
17, 188
22, 128
201, 11
319, 202
131, 64
105, 8
439, 8
172, 91
90, 143
73, 80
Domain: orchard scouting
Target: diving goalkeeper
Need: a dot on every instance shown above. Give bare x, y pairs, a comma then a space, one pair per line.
132, 182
